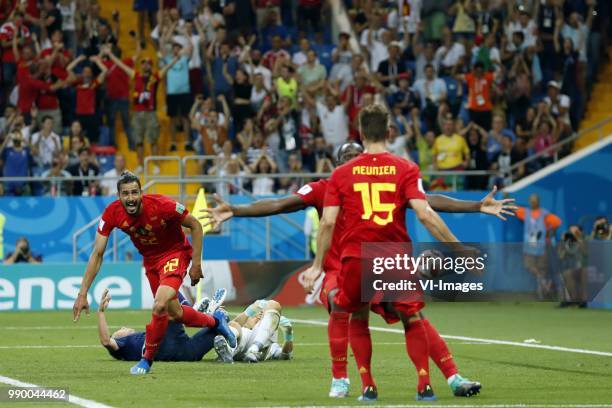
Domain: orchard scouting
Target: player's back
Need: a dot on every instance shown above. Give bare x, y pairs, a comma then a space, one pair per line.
373, 191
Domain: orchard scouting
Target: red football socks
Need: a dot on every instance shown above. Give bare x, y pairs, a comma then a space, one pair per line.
361, 344
439, 352
337, 332
154, 335
418, 351
193, 318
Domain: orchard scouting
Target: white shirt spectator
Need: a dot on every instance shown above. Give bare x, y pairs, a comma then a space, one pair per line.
434, 90
195, 61
378, 50
564, 102
263, 186
398, 147
451, 58
109, 185
578, 36
67, 11
334, 124
413, 7
47, 147
265, 72
528, 31
299, 59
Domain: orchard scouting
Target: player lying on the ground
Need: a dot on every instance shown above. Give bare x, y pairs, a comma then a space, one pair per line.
155, 226
372, 193
256, 330
340, 328
128, 344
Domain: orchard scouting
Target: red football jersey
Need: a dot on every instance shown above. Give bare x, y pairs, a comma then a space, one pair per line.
373, 191
313, 195
156, 232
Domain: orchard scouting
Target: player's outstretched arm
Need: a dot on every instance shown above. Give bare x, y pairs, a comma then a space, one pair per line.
326, 230
260, 208
93, 267
432, 221
103, 334
488, 205
195, 273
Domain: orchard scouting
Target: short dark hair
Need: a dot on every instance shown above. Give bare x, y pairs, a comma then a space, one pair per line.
126, 178
44, 118
374, 120
83, 150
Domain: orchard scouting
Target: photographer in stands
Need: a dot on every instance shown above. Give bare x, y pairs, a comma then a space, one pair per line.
22, 254
601, 230
572, 251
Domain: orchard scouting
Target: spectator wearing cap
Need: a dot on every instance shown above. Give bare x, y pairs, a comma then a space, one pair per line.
389, 69
559, 104
84, 168
479, 84
432, 91
178, 90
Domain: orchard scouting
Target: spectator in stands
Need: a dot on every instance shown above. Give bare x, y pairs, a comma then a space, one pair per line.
239, 17
76, 139
178, 91
450, 53
310, 15
496, 135
262, 8
57, 188
450, 152
390, 69
29, 87
432, 91
578, 31
246, 135
286, 84
397, 143
377, 44
275, 53
601, 230
22, 254
252, 63
86, 86
48, 103
213, 135
540, 227
342, 57
524, 126
84, 168
45, 145
479, 85
259, 92
332, 117
292, 184
13, 28
242, 99
542, 140
502, 163
282, 132
559, 104
263, 185
312, 75
118, 92
147, 11
68, 9
476, 137
109, 184
300, 57
224, 67
16, 161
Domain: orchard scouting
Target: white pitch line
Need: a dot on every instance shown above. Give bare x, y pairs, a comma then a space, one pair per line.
457, 406
73, 399
489, 341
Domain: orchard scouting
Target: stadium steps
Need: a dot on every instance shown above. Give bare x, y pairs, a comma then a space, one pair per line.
129, 21
598, 109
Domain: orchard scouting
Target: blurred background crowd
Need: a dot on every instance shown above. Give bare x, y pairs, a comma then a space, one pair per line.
267, 86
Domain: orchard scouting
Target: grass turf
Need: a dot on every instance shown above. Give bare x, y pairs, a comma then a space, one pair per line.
509, 374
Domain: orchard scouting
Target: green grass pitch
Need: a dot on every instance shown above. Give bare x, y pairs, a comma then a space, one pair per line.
510, 375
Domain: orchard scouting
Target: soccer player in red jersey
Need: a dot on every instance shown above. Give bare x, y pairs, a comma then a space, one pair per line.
154, 224
373, 192
339, 327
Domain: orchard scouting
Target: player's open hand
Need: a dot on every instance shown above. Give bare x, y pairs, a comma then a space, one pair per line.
310, 277
216, 216
498, 208
195, 274
80, 304
106, 298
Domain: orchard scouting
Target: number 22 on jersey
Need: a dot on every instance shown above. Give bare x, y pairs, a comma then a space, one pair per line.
370, 199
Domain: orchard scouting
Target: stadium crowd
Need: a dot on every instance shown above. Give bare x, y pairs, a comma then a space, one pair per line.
262, 86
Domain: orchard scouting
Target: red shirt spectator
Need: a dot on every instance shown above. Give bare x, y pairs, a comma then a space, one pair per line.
117, 81
28, 92
86, 97
60, 62
7, 31
145, 91
47, 98
6, 8
270, 57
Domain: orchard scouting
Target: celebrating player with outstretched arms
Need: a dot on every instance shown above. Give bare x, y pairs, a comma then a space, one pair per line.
373, 192
155, 226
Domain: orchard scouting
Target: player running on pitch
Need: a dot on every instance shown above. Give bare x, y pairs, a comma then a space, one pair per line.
340, 328
256, 330
155, 226
127, 344
373, 192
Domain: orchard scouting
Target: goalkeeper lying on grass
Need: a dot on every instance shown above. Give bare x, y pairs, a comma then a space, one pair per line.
256, 331
128, 344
